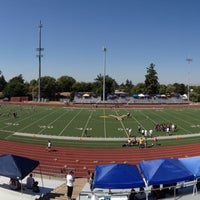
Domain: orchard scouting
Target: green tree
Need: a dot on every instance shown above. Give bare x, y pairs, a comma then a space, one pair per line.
16, 87
170, 89
139, 88
65, 83
151, 80
82, 87
2, 82
110, 85
127, 87
33, 89
48, 87
162, 89
180, 88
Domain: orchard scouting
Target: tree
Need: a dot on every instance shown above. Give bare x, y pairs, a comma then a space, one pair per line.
33, 89
139, 88
162, 89
82, 87
170, 89
151, 80
48, 87
127, 87
2, 82
65, 83
180, 88
110, 85
16, 87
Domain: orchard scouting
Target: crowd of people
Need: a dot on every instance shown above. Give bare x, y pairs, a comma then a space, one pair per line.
144, 134
165, 127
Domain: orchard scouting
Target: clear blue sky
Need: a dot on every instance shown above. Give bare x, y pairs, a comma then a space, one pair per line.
135, 33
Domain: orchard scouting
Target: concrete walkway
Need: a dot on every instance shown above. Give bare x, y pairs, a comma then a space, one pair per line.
59, 193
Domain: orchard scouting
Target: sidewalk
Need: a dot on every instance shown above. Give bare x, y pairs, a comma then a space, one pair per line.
46, 185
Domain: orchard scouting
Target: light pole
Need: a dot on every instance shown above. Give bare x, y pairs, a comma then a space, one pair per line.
189, 60
104, 74
40, 49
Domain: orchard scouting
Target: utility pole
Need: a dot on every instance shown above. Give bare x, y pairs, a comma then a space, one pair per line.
104, 74
189, 60
40, 49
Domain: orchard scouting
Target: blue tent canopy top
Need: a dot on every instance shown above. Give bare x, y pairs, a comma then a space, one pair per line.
117, 176
16, 167
165, 171
192, 164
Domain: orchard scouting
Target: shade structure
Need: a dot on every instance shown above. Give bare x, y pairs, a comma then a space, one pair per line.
135, 95
117, 176
165, 171
192, 164
86, 95
16, 167
141, 95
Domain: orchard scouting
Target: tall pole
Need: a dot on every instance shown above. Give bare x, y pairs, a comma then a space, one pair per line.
189, 60
40, 49
104, 74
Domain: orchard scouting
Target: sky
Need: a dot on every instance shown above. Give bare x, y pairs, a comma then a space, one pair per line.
135, 33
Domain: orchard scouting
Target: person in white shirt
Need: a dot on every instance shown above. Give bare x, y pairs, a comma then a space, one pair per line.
49, 145
129, 132
70, 184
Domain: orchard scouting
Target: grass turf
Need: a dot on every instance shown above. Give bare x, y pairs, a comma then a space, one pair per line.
100, 123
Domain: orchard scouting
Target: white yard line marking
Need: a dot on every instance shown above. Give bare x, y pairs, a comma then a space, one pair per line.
122, 124
179, 125
31, 124
54, 121
61, 132
87, 122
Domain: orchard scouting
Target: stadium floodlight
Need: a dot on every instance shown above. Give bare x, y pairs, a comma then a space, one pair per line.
40, 49
189, 60
104, 74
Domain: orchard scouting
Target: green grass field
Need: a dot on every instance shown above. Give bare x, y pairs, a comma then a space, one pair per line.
100, 123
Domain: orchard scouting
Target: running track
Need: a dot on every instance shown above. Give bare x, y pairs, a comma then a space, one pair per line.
83, 159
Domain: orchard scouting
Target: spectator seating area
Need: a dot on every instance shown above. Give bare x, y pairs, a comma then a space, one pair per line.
129, 100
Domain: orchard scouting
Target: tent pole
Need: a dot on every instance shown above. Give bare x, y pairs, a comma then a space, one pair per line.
21, 187
174, 192
41, 176
195, 187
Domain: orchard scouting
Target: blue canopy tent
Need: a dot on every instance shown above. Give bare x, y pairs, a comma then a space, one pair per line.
117, 176
165, 171
192, 164
135, 96
16, 167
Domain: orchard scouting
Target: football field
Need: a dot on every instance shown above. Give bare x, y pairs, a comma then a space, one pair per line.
94, 122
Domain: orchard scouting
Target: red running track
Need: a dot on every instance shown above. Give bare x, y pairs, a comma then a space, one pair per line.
83, 159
